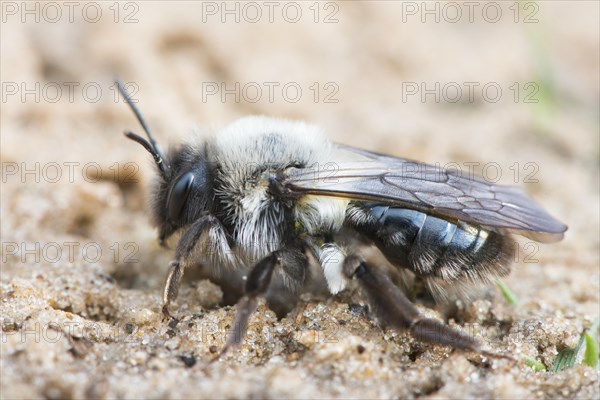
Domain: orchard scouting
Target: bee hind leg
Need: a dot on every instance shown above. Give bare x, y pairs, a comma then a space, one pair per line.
393, 307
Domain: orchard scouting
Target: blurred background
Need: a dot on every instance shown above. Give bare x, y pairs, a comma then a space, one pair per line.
508, 88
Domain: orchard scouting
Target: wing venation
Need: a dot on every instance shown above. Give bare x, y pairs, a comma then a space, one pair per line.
444, 192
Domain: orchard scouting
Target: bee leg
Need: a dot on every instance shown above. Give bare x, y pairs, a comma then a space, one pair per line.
185, 248
171, 288
257, 284
392, 306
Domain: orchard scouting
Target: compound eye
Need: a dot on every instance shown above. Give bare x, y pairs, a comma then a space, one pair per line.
178, 195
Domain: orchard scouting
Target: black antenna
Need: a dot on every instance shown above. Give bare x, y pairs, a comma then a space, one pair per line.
152, 147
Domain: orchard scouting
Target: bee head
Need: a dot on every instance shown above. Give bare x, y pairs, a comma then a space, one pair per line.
184, 195
183, 191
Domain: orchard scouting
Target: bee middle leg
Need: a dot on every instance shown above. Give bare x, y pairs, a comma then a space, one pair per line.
292, 263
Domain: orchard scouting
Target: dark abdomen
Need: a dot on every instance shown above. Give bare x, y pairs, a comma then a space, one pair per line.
431, 246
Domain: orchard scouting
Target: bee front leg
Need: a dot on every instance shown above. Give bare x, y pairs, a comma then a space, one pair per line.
171, 288
185, 249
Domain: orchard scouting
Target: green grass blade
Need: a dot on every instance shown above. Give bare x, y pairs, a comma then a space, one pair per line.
535, 364
567, 357
590, 356
508, 295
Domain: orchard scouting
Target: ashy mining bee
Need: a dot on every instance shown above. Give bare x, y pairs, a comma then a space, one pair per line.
268, 198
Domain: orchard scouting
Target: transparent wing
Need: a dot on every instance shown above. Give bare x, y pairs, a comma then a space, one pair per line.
449, 194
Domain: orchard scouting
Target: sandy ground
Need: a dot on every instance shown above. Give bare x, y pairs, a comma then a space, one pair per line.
513, 90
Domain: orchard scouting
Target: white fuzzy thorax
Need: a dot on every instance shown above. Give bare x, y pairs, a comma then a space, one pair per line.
244, 143
247, 151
